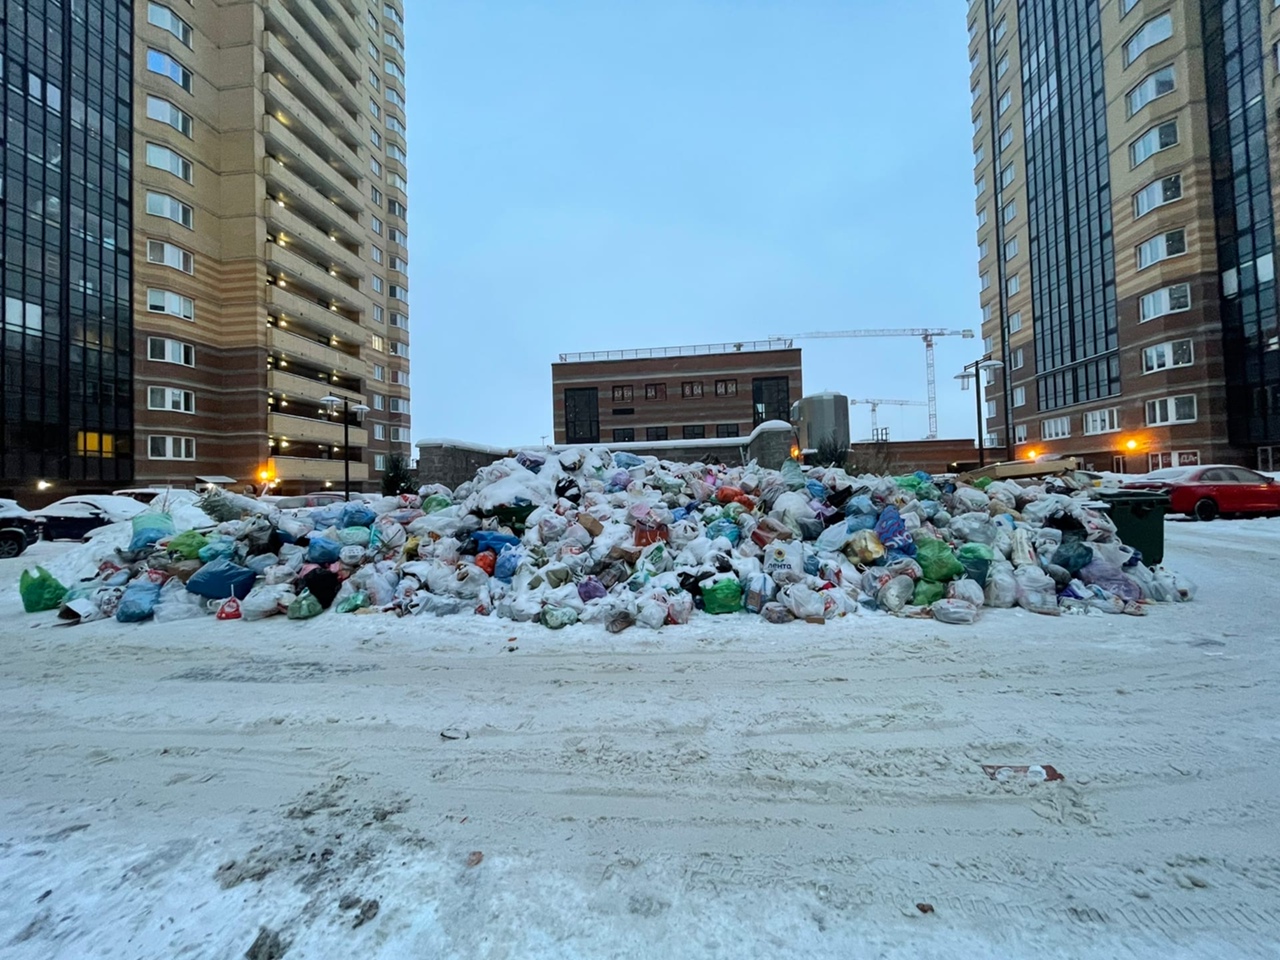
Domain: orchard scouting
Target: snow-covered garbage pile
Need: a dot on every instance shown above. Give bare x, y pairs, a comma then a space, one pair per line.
620, 540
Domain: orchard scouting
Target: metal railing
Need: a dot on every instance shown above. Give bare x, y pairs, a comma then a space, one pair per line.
697, 350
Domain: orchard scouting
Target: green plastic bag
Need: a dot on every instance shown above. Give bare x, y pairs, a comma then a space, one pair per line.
435, 502
41, 591
357, 601
982, 483
937, 561
927, 592
188, 545
792, 475
304, 607
724, 596
556, 618
910, 482
976, 559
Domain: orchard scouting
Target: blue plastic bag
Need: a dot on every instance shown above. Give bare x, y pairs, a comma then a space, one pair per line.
218, 548
508, 563
322, 550
625, 461
725, 528
138, 602
861, 506
357, 515
860, 521
816, 489
148, 527
489, 540
893, 532
678, 514
222, 579
326, 517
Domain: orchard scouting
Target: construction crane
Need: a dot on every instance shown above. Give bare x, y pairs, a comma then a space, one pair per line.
875, 405
927, 335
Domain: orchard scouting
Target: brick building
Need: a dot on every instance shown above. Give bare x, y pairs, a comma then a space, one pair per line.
717, 390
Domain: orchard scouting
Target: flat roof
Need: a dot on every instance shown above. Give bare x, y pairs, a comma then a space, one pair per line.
696, 350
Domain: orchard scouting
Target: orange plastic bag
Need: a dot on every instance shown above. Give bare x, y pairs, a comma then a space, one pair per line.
487, 561
229, 609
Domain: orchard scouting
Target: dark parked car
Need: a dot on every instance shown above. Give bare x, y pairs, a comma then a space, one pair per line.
18, 529
1208, 491
72, 518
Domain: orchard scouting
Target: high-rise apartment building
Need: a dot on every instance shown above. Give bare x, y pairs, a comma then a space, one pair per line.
270, 241
1126, 163
65, 193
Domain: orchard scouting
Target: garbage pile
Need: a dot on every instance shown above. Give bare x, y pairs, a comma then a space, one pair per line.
612, 538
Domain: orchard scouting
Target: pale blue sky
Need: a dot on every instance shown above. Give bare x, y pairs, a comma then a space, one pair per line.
592, 175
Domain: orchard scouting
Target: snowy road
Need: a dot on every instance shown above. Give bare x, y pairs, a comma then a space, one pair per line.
729, 788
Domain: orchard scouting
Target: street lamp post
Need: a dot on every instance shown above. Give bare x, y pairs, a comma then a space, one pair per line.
971, 371
348, 408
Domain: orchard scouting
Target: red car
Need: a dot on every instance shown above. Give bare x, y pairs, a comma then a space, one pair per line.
1205, 492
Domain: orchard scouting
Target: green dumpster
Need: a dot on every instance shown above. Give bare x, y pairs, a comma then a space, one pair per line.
1139, 519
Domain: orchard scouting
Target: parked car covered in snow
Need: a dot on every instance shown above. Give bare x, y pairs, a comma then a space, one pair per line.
1214, 489
72, 518
18, 529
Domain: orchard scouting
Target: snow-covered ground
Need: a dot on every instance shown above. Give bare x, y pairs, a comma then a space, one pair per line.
724, 789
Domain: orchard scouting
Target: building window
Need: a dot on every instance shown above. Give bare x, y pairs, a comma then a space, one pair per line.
165, 112
1011, 249
374, 80
982, 218
695, 432
378, 284
1002, 66
1016, 359
582, 415
90, 443
981, 186
399, 264
724, 430
162, 158
379, 401
1015, 322
398, 291
991, 409
986, 312
164, 65
655, 391
1176, 353
1001, 29
1102, 421
770, 399
1149, 34
171, 448
624, 435
399, 434
171, 208
397, 209
978, 155
379, 372
623, 394
375, 253
1010, 211
1006, 100
691, 389
375, 166
1008, 175
1171, 410
174, 304
164, 350
1013, 285
396, 235
982, 250
977, 123
1153, 86
394, 69
1158, 138
169, 398
1157, 194
1055, 428
375, 195
396, 125
655, 433
1006, 138
1127, 5
399, 320
1162, 247
987, 344
161, 16
1020, 433
1158, 303
380, 461
378, 343
399, 349
1019, 396
984, 281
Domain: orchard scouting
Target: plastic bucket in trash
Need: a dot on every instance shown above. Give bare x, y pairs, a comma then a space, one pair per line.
1139, 519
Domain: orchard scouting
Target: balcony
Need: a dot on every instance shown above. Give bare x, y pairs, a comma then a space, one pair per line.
339, 134
281, 21
322, 355
282, 142
291, 386
310, 201
304, 317
282, 65
341, 54
295, 268
298, 231
305, 430
301, 468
